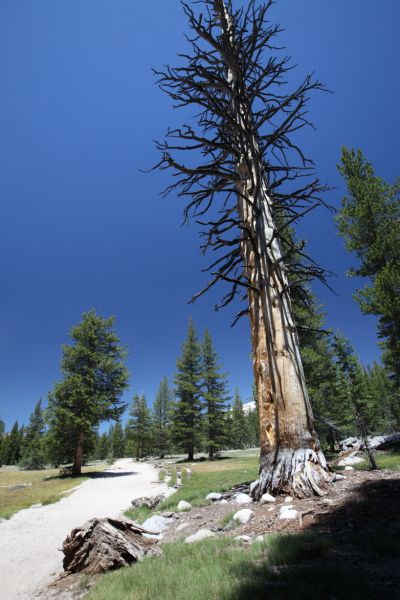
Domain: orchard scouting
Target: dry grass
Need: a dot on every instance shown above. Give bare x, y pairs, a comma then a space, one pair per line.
44, 487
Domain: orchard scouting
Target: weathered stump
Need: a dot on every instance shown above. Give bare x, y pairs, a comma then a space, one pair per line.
104, 544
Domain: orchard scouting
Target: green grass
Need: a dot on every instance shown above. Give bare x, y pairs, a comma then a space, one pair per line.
223, 569
45, 487
207, 476
172, 477
162, 475
385, 460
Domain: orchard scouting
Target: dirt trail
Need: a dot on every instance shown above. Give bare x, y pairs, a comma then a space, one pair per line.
30, 540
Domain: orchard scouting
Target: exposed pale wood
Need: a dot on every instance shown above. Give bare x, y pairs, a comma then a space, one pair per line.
291, 459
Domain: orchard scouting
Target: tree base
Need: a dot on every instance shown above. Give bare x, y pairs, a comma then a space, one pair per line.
302, 473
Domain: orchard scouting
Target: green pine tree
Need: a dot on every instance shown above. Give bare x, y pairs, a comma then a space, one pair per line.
162, 408
2, 438
139, 426
102, 447
238, 433
34, 455
186, 418
215, 396
117, 441
369, 221
95, 377
14, 445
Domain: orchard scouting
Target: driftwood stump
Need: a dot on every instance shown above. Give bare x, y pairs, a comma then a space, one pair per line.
104, 544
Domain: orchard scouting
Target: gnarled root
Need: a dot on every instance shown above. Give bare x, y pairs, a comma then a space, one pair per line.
302, 472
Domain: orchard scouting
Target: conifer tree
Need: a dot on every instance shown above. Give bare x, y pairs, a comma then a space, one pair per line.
139, 426
117, 441
369, 221
215, 396
238, 432
186, 418
14, 445
95, 377
162, 408
34, 452
2, 437
102, 447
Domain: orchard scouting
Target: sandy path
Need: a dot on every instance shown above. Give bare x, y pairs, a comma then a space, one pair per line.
29, 541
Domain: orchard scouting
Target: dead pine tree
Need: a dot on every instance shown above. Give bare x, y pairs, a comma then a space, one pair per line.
254, 182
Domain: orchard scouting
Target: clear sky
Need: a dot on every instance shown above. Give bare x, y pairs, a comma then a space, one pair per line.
82, 227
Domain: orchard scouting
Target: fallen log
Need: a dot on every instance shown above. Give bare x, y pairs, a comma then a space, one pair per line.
102, 545
377, 442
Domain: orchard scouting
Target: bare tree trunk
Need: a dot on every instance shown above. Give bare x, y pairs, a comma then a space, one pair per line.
78, 457
291, 460
190, 452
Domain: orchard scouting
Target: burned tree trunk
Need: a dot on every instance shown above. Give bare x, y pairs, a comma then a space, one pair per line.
245, 126
101, 545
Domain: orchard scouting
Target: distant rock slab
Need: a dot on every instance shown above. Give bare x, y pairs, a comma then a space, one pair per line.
214, 496
101, 545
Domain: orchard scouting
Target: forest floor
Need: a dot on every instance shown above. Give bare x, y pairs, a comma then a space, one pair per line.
31, 539
344, 545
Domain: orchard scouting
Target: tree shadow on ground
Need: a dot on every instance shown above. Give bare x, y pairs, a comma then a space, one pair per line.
94, 475
359, 558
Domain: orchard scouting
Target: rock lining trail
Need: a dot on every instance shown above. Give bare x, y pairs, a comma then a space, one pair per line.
30, 541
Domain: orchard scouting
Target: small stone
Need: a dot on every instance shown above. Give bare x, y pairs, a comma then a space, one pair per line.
349, 468
224, 501
288, 512
243, 499
183, 506
243, 516
182, 526
288, 500
156, 523
214, 496
202, 534
338, 477
242, 538
259, 538
266, 498
167, 515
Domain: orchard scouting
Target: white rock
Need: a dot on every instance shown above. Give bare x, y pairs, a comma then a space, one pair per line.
350, 460
183, 506
202, 534
348, 468
243, 499
224, 501
338, 477
243, 516
259, 538
253, 485
182, 526
157, 523
214, 496
288, 512
266, 498
242, 538
289, 500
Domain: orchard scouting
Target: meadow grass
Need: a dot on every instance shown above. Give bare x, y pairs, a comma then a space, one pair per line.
385, 460
206, 477
222, 569
46, 486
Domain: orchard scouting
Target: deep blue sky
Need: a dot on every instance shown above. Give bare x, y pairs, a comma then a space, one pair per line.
81, 227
